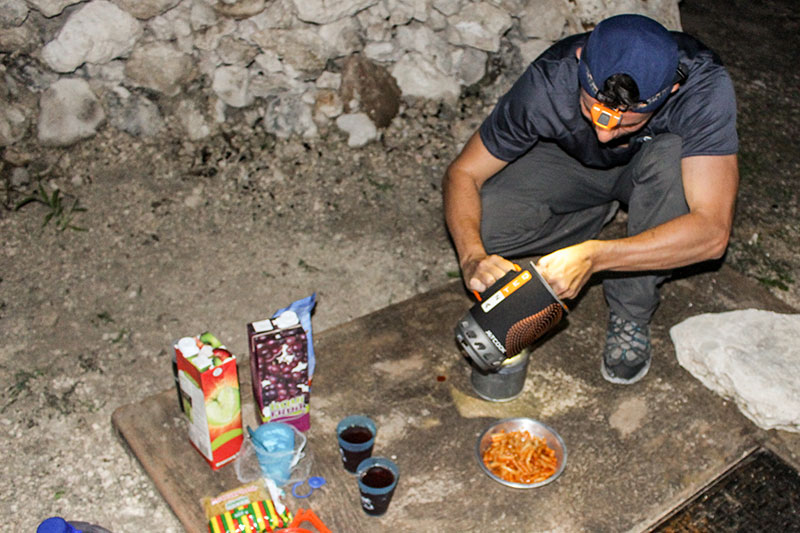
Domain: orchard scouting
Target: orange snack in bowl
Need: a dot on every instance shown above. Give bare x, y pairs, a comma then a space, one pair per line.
519, 457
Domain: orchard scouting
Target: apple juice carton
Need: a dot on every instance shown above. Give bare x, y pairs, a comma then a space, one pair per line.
279, 366
209, 387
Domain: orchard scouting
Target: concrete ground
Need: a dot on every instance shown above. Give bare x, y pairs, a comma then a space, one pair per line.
634, 453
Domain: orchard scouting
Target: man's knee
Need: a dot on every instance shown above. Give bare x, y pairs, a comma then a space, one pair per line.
659, 160
508, 223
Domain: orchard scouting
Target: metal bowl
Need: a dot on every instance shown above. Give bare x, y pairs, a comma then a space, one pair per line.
536, 429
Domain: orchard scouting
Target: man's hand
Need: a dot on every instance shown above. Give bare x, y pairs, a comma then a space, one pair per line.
567, 270
481, 272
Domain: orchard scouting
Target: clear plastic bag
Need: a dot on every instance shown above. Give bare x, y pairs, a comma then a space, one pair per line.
248, 468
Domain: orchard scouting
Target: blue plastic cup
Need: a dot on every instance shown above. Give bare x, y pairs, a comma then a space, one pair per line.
356, 434
278, 448
377, 479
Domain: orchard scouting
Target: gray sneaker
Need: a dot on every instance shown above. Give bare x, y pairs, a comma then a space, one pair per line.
626, 357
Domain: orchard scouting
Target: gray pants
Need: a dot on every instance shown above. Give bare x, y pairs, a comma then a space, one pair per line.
546, 200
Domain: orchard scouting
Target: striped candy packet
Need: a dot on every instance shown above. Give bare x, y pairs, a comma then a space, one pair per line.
246, 509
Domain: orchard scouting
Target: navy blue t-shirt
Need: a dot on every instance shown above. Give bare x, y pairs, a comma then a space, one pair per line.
544, 104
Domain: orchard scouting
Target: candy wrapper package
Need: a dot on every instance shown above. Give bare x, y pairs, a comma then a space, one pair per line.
247, 509
282, 364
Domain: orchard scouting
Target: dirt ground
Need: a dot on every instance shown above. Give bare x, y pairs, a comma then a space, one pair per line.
178, 238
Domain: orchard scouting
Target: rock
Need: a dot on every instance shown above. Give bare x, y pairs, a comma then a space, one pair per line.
18, 156
301, 48
209, 38
373, 87
133, 114
235, 51
432, 46
13, 123
193, 120
20, 177
269, 62
69, 112
278, 14
447, 7
328, 104
12, 13
479, 25
160, 67
359, 128
174, 24
97, 33
18, 39
286, 115
382, 52
202, 16
231, 84
111, 73
240, 9
436, 21
266, 85
417, 77
748, 356
329, 80
542, 19
341, 37
146, 9
374, 23
469, 65
325, 11
404, 11
530, 49
51, 8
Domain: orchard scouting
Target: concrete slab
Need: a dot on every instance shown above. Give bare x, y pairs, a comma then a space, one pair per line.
634, 453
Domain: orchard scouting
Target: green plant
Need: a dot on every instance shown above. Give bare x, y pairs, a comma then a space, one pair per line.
307, 267
21, 379
383, 187
60, 213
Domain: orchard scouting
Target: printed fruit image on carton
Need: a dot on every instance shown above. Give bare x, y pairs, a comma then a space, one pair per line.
224, 411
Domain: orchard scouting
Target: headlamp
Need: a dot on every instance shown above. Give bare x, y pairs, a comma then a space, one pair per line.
605, 117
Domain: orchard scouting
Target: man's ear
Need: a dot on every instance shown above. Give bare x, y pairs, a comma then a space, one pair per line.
674, 88
578, 52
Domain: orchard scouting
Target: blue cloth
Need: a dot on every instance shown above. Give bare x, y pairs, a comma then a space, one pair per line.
303, 308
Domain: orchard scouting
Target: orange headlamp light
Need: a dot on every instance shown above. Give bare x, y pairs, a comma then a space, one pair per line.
605, 117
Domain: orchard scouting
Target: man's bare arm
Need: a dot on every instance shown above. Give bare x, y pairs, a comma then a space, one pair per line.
462, 208
710, 185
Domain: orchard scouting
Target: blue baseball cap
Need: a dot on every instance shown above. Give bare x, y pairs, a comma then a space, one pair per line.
634, 45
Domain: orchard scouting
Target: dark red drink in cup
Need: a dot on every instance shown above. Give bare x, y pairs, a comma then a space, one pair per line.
356, 435
377, 479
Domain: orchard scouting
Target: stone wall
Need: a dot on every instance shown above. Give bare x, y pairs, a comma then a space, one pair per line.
70, 68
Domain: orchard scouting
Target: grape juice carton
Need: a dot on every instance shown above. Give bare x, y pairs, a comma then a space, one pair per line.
279, 369
209, 388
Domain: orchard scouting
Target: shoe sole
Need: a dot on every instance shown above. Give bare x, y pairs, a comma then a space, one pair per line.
621, 381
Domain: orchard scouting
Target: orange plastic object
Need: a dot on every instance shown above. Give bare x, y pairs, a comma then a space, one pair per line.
306, 515
516, 268
605, 117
